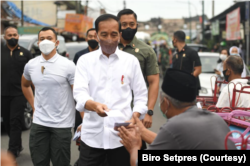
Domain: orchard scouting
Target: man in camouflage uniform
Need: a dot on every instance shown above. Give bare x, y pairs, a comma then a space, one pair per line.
164, 58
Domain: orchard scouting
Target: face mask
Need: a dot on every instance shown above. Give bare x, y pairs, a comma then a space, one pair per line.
234, 54
225, 76
46, 46
12, 42
173, 44
128, 34
92, 43
108, 46
223, 57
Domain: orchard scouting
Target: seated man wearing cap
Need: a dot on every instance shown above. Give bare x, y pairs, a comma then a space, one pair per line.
232, 71
187, 126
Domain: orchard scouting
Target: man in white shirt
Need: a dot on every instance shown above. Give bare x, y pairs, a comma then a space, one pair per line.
233, 67
104, 82
53, 106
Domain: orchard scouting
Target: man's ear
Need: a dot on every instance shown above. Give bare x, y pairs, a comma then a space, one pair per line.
57, 43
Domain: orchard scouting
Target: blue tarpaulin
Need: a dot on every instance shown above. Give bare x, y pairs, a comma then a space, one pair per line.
14, 10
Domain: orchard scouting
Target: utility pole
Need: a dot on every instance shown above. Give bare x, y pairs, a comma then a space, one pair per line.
80, 7
76, 4
203, 27
247, 31
124, 4
212, 8
190, 23
22, 13
86, 8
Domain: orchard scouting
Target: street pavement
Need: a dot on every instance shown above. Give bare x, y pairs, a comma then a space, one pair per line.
25, 160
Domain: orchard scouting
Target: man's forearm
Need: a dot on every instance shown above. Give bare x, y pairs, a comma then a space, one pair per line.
148, 136
152, 94
90, 105
28, 93
82, 114
133, 157
197, 71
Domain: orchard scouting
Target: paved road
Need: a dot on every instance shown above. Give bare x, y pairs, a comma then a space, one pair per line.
25, 160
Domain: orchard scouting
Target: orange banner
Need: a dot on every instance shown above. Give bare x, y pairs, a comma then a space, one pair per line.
78, 23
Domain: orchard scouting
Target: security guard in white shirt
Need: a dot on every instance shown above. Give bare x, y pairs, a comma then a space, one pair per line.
104, 81
54, 106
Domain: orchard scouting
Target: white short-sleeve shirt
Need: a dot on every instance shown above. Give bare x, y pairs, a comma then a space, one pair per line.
54, 102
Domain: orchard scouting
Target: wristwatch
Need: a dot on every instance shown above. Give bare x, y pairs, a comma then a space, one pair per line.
150, 112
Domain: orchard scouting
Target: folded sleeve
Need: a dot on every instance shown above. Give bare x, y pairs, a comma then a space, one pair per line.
140, 91
81, 85
26, 73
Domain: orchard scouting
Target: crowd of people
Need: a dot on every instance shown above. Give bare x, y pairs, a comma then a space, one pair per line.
114, 80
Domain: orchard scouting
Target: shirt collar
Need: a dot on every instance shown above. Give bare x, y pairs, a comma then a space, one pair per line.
132, 44
183, 49
51, 60
243, 81
17, 48
116, 53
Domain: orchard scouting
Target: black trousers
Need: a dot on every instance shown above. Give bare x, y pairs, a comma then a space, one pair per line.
50, 144
95, 157
78, 120
12, 110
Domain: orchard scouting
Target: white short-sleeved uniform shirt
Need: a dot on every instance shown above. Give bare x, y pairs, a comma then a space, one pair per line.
54, 102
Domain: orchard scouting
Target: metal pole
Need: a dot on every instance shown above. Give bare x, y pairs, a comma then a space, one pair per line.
124, 4
79, 7
212, 8
76, 3
86, 13
247, 15
203, 28
56, 14
22, 13
190, 23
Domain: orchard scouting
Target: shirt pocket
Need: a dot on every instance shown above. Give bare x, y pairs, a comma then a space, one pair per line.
22, 59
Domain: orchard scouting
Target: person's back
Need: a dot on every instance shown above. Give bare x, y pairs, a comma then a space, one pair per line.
241, 99
195, 129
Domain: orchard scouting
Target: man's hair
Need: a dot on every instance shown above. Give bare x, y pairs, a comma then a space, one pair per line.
235, 63
180, 36
179, 104
46, 29
91, 29
11, 26
126, 11
105, 17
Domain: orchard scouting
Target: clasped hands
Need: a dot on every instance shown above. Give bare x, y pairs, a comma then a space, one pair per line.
131, 135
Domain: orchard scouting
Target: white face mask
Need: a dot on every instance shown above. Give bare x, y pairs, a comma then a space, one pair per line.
46, 46
223, 57
234, 54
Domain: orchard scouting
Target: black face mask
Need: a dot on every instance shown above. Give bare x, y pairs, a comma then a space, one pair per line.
128, 34
92, 43
12, 42
225, 76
